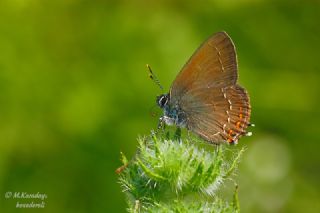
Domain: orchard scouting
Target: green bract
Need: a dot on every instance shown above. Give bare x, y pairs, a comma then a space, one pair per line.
174, 175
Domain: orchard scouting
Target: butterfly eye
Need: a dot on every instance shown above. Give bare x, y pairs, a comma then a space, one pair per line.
162, 100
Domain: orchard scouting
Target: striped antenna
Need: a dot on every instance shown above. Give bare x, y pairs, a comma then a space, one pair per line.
153, 77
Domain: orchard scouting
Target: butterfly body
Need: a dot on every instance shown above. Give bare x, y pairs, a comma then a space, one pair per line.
172, 112
205, 97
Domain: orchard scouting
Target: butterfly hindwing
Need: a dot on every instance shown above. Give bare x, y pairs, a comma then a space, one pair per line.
219, 114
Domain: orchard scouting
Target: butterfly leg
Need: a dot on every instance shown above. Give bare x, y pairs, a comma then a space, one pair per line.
161, 124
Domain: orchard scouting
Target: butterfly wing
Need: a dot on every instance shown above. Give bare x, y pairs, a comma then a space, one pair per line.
216, 108
214, 64
218, 114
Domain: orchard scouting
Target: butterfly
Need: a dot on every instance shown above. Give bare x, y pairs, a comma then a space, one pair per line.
205, 97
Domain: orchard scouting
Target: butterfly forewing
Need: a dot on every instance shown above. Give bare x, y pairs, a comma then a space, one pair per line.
216, 108
214, 64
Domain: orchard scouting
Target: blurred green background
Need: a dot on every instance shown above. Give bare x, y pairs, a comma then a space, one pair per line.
74, 92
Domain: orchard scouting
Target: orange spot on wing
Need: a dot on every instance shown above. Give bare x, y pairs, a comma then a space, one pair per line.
238, 124
240, 116
230, 132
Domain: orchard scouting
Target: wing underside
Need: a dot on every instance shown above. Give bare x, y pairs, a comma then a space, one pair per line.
219, 114
217, 109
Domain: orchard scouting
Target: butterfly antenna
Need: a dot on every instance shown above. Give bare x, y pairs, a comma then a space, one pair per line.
153, 77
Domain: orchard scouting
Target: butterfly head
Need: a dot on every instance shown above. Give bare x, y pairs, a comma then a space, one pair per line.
162, 100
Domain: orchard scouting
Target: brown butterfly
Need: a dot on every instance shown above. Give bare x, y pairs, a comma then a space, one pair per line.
205, 97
